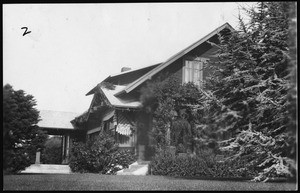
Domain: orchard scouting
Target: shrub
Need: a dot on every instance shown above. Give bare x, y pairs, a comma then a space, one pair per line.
78, 160
16, 161
121, 159
99, 156
196, 166
160, 163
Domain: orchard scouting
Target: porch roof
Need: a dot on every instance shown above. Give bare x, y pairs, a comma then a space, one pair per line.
56, 119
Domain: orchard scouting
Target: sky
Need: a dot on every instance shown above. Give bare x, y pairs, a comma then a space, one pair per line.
70, 48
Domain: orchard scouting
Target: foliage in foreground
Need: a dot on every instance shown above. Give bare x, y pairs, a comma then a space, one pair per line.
101, 155
21, 135
205, 166
247, 109
250, 92
250, 97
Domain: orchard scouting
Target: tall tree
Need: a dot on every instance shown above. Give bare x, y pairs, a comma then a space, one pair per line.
21, 136
249, 92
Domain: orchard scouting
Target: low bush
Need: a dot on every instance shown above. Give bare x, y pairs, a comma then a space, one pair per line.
100, 156
196, 166
15, 161
78, 160
121, 159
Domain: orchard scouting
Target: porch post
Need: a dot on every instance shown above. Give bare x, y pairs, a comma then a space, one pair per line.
38, 157
63, 149
67, 147
168, 134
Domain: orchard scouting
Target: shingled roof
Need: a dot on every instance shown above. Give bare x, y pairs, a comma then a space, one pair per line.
56, 119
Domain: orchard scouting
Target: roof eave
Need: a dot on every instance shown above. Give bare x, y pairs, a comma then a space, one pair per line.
126, 107
132, 71
91, 91
57, 128
148, 75
120, 92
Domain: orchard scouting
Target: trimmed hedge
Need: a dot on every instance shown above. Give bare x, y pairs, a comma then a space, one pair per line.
195, 166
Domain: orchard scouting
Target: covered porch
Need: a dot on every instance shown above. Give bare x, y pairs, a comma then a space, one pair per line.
57, 123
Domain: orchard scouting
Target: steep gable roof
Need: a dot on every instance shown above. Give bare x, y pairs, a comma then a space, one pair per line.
132, 71
125, 74
114, 96
148, 75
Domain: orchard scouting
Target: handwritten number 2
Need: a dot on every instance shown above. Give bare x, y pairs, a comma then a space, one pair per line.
25, 32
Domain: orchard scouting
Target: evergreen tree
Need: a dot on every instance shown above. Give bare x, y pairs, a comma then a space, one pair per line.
247, 99
21, 136
292, 95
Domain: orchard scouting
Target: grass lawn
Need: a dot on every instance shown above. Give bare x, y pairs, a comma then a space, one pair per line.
113, 182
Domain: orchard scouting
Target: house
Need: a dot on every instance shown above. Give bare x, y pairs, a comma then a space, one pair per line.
115, 107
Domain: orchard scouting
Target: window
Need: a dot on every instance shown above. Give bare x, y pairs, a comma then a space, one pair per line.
193, 71
123, 140
109, 126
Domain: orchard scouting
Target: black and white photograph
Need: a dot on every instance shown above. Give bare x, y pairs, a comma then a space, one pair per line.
161, 96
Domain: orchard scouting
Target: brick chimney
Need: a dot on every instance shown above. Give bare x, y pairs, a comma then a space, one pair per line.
125, 69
